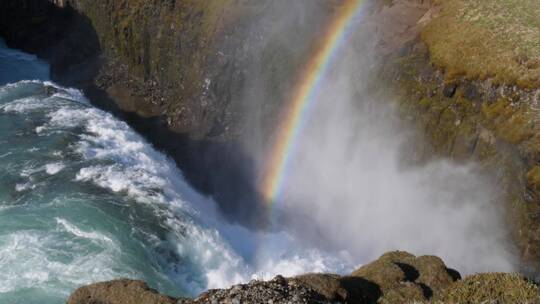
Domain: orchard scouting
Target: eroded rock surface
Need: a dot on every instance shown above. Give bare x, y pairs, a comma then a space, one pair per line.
396, 277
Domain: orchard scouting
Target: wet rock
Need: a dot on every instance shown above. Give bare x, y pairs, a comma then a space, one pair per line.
449, 90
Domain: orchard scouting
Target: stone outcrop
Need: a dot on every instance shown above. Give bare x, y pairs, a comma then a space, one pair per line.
396, 277
118, 292
404, 277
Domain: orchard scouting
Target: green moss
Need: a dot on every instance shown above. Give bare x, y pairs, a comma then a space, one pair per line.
511, 122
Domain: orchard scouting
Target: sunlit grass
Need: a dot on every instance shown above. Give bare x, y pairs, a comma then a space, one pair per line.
497, 39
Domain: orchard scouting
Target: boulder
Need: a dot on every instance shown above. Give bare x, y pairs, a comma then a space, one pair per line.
403, 277
121, 291
396, 277
342, 289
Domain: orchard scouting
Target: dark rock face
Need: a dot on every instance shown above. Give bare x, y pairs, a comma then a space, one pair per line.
342, 289
186, 61
60, 35
449, 90
146, 62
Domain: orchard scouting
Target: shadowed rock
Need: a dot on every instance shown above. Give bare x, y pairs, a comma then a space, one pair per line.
404, 277
343, 289
396, 277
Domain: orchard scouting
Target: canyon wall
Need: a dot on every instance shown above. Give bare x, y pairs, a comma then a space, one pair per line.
470, 83
179, 72
179, 69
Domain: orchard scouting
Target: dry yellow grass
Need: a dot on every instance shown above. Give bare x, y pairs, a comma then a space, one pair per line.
492, 288
497, 39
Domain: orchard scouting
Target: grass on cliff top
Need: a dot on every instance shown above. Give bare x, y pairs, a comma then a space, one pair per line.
497, 39
492, 288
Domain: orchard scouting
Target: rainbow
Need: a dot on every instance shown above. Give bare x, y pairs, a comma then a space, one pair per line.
304, 94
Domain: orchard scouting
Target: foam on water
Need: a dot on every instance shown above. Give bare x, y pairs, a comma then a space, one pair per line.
84, 198
158, 218
54, 168
31, 259
82, 234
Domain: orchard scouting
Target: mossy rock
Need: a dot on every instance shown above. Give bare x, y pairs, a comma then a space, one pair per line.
492, 288
403, 277
342, 289
326, 284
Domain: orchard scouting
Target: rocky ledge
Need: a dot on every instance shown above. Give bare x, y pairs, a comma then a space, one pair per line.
396, 277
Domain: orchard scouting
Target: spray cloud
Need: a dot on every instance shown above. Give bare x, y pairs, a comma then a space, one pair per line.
351, 187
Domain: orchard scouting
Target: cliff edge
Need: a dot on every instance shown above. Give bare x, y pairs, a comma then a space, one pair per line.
396, 277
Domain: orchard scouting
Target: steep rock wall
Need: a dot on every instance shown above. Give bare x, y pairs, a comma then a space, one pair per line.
186, 64
473, 91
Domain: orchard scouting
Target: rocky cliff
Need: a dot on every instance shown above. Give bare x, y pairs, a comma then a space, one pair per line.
396, 277
178, 71
161, 66
470, 81
467, 73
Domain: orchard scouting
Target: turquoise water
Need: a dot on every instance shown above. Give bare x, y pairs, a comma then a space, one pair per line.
83, 198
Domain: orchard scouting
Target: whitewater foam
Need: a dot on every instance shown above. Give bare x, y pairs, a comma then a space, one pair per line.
197, 249
29, 259
23, 105
24, 187
71, 228
54, 168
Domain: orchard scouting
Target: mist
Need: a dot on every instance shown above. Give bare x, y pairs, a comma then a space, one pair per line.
353, 188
